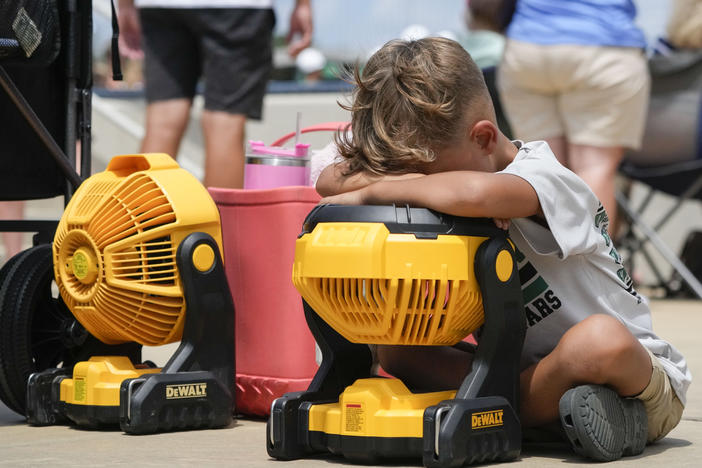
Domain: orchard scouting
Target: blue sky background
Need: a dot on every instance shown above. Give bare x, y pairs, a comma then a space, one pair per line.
353, 28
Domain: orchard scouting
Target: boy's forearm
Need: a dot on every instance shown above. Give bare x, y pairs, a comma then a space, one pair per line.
461, 193
333, 180
428, 192
470, 194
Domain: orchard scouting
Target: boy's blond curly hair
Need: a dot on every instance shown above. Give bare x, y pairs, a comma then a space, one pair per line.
411, 100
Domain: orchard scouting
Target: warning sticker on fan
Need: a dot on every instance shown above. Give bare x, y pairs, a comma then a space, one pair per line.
79, 389
355, 417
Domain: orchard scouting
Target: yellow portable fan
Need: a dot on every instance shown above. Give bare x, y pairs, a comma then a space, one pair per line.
137, 258
404, 276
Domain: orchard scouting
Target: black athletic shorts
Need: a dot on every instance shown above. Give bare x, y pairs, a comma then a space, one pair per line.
231, 49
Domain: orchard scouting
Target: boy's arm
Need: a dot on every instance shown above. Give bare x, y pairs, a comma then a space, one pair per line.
332, 180
464, 193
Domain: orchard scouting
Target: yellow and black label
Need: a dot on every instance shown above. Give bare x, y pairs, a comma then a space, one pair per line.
79, 389
486, 419
355, 417
193, 390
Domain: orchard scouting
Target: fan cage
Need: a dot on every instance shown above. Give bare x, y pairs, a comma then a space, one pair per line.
129, 224
377, 287
403, 311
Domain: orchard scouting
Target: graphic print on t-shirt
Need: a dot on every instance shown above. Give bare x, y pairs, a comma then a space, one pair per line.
602, 223
539, 300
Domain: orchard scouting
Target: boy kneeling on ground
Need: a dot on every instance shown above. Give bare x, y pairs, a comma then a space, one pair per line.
423, 132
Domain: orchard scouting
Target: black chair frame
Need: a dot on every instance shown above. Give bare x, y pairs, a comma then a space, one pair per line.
75, 45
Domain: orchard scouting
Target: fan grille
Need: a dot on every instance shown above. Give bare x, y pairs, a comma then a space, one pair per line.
127, 227
396, 310
381, 288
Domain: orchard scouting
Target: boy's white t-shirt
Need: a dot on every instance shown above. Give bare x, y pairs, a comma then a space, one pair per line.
571, 270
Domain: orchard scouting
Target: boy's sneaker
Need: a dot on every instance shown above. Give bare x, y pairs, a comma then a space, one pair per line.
601, 425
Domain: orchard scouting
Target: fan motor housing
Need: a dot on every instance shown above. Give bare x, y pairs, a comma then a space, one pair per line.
408, 282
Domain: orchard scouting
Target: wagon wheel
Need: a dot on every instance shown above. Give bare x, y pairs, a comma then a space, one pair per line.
37, 331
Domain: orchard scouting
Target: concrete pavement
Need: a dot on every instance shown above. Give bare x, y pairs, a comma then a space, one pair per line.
243, 444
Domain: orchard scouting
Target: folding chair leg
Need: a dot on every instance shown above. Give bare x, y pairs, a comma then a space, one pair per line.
662, 248
652, 266
688, 194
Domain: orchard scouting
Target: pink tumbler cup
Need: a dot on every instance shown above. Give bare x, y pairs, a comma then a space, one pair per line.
271, 167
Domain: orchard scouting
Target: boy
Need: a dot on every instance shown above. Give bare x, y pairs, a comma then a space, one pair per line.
421, 113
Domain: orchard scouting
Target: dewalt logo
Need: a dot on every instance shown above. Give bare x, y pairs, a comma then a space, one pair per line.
194, 390
486, 419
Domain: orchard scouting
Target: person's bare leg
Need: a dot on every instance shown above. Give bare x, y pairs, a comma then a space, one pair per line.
599, 350
598, 167
165, 124
224, 148
12, 241
426, 368
559, 146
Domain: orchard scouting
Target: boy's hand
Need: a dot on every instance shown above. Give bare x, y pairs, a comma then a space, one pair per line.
502, 223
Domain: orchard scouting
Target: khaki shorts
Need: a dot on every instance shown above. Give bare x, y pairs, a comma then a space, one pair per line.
590, 95
663, 407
